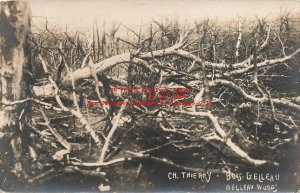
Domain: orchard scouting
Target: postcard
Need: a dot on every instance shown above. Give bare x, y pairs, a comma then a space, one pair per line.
149, 96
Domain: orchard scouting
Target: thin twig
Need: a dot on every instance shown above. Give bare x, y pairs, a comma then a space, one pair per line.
57, 136
111, 132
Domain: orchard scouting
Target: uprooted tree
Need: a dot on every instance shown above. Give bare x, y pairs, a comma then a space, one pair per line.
240, 68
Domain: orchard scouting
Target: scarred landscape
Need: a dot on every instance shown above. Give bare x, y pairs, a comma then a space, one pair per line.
167, 103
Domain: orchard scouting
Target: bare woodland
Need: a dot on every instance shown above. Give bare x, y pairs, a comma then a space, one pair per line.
247, 68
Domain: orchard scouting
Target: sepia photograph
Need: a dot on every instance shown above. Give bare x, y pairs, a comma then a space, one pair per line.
150, 96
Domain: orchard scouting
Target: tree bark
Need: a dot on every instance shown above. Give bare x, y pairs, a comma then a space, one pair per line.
14, 31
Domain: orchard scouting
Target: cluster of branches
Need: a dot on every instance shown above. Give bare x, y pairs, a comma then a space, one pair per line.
234, 66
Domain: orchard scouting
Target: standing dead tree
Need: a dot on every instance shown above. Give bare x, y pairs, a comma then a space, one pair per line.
14, 54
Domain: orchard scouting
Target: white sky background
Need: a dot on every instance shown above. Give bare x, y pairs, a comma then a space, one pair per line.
80, 15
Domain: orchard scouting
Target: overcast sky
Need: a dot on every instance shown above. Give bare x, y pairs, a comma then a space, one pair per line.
81, 14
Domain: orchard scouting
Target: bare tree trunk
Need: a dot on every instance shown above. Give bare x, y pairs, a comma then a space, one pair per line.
14, 30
